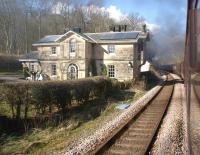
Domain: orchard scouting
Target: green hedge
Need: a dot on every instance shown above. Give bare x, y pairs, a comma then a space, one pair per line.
21, 97
9, 63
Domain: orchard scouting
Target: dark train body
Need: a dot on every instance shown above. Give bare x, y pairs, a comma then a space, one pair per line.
178, 69
190, 68
191, 64
192, 44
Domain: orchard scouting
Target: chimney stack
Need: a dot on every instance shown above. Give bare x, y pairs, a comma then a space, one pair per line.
77, 29
118, 28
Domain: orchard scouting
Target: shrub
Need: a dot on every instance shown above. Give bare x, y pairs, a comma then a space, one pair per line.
26, 72
43, 95
61, 95
9, 63
17, 95
103, 70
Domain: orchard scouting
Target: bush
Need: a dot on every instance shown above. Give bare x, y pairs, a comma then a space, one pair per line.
9, 63
60, 94
26, 72
17, 96
45, 101
103, 70
41, 96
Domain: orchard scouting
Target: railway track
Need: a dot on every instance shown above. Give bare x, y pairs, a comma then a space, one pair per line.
137, 136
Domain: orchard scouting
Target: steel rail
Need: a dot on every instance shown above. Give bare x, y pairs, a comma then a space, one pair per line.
151, 115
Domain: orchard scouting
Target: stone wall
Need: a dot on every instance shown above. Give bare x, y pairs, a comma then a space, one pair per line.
124, 59
122, 69
80, 47
62, 59
37, 66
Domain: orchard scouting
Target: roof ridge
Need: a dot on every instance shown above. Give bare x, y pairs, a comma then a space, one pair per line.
112, 32
54, 35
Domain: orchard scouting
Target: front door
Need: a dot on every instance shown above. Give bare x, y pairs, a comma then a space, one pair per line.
72, 72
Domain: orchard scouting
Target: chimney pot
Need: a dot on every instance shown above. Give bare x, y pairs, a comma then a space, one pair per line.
77, 29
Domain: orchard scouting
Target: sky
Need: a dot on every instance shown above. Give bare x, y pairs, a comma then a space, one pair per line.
152, 10
166, 19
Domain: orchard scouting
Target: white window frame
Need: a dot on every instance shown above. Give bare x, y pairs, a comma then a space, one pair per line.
111, 71
74, 68
53, 70
111, 49
32, 67
53, 51
72, 47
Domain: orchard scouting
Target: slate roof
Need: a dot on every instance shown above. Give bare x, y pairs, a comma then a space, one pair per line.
108, 36
31, 55
95, 37
49, 39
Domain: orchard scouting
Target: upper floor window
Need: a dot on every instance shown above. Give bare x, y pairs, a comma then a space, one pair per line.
53, 50
72, 46
53, 69
111, 48
111, 71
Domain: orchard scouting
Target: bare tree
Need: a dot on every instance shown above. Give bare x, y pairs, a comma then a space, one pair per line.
23, 22
133, 20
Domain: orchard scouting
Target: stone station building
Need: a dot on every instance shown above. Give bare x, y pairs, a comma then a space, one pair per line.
78, 55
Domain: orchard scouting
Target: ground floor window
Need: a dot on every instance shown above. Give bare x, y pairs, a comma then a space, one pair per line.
111, 70
32, 68
53, 69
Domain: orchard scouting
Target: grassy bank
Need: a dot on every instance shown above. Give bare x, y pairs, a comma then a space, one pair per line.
81, 122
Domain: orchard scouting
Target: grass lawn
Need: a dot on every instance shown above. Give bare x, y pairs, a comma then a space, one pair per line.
80, 123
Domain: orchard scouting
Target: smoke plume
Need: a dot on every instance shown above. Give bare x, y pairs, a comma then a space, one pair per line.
167, 45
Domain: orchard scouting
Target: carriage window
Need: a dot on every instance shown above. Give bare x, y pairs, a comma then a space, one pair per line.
111, 71
53, 69
72, 46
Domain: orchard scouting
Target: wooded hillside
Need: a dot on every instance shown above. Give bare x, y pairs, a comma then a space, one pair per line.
24, 21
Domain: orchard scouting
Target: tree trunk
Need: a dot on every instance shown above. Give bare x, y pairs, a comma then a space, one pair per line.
18, 111
26, 112
13, 112
40, 22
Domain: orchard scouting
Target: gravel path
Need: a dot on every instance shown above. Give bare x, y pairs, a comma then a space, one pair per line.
195, 124
170, 136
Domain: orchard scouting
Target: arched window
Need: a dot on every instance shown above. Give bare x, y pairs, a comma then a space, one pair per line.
72, 71
72, 46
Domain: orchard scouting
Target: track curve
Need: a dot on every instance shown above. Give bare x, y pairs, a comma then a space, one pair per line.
137, 136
